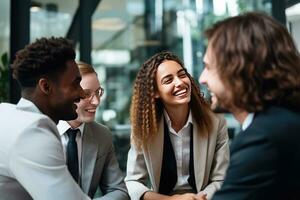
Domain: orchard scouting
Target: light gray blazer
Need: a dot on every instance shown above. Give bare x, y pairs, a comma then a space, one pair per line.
211, 158
32, 162
99, 164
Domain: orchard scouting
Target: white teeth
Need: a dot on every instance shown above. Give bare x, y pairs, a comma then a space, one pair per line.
180, 92
91, 111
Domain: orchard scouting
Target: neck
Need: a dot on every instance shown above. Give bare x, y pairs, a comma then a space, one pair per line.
74, 123
40, 103
240, 115
178, 116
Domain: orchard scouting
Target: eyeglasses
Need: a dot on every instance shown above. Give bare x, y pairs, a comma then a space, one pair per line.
89, 94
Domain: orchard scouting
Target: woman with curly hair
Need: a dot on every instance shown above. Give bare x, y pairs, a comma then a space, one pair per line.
179, 146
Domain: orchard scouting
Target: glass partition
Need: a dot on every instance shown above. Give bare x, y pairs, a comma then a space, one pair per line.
51, 18
293, 22
4, 49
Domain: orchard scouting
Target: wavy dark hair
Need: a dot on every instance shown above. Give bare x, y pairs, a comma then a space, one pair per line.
257, 60
45, 57
146, 110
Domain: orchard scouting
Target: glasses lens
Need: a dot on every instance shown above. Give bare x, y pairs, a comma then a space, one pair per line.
87, 93
100, 91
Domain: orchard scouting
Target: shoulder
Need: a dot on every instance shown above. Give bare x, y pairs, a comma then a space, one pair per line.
11, 109
218, 119
275, 126
28, 130
219, 125
17, 121
218, 133
275, 120
274, 114
7, 106
98, 130
23, 118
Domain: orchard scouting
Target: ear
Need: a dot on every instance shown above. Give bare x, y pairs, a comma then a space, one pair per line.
44, 85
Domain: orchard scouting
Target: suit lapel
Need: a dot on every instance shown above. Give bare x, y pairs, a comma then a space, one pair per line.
155, 154
89, 156
200, 151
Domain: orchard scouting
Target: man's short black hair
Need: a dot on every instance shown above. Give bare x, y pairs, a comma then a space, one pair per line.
45, 57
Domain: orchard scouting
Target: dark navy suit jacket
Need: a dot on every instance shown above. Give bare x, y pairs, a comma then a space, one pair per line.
265, 159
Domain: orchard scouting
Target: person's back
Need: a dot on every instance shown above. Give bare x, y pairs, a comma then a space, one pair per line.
277, 131
283, 128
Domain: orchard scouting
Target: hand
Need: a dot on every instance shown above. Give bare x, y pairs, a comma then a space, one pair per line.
202, 196
186, 196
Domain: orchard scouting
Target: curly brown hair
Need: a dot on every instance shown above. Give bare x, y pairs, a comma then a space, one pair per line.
44, 57
146, 110
257, 61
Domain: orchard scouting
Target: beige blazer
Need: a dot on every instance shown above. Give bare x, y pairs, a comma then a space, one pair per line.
211, 158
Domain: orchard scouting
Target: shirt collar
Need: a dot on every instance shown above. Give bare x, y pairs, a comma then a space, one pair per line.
27, 105
169, 123
63, 126
247, 122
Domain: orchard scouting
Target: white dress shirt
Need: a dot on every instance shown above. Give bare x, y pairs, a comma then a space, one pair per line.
62, 127
247, 122
181, 146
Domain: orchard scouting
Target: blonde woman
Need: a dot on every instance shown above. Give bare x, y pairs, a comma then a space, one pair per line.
179, 146
94, 164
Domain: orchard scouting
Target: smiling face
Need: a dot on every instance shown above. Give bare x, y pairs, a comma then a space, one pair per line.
66, 93
210, 77
173, 84
86, 108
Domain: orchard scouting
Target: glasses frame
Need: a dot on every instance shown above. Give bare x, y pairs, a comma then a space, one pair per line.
89, 95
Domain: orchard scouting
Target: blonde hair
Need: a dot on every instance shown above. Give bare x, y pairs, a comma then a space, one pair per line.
85, 68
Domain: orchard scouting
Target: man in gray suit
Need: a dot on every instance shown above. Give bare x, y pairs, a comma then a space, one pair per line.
96, 160
32, 162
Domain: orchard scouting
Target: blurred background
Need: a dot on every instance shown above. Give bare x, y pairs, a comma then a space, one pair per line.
117, 36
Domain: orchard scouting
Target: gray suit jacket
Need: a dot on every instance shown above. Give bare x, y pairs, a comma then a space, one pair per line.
99, 164
32, 162
211, 158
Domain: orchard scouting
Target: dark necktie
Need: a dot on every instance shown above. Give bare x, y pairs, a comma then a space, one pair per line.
72, 154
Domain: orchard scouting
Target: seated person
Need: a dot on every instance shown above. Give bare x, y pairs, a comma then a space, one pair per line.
252, 67
32, 161
94, 163
179, 145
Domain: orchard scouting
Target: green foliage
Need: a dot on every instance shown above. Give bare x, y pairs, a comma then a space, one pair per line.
4, 78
